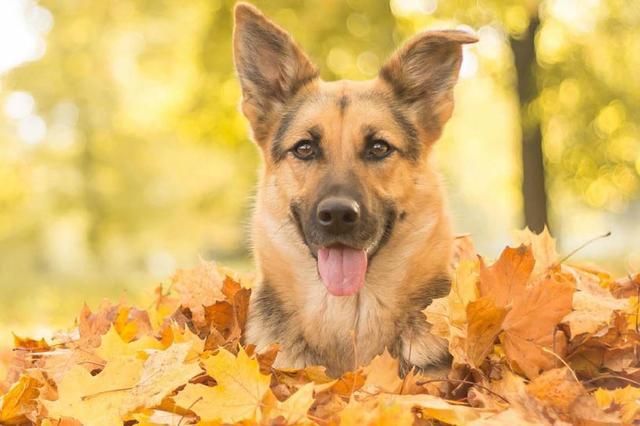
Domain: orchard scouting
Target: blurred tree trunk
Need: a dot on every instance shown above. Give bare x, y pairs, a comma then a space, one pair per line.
533, 179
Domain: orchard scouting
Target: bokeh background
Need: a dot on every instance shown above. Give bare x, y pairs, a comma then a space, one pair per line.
123, 154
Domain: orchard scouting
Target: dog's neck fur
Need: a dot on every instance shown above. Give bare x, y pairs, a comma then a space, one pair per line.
409, 271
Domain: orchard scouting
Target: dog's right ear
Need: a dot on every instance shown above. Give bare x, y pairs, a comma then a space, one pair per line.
270, 65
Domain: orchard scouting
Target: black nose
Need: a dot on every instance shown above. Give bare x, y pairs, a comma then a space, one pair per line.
338, 215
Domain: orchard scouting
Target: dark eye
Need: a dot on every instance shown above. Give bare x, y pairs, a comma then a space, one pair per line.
378, 149
304, 149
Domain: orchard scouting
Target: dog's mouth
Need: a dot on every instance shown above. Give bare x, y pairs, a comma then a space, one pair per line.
342, 269
343, 263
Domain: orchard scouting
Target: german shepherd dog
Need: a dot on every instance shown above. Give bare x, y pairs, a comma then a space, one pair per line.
350, 231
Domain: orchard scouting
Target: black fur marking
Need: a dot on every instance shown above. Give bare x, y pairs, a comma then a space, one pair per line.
294, 207
413, 145
437, 287
390, 221
278, 153
343, 103
403, 216
410, 133
270, 309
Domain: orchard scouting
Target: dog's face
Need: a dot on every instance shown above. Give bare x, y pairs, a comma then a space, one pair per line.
348, 158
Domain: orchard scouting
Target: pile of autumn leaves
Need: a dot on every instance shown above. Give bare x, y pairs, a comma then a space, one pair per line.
534, 341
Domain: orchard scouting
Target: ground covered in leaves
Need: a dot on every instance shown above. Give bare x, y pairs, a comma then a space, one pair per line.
534, 341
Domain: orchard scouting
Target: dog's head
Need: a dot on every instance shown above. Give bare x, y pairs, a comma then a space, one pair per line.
348, 157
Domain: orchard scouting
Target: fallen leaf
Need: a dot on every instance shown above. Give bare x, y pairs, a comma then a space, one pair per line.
295, 408
162, 372
557, 389
197, 288
382, 374
543, 246
96, 400
113, 346
531, 324
237, 395
435, 408
377, 414
506, 279
627, 398
485, 323
20, 403
132, 323
92, 326
592, 311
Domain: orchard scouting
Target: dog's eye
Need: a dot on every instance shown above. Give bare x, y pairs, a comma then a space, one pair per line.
378, 149
304, 150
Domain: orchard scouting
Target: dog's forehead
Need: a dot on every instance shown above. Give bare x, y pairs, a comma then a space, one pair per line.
328, 99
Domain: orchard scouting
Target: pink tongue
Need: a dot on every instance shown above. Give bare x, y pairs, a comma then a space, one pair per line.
342, 269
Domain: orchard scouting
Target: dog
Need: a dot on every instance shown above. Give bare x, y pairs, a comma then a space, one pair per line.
350, 230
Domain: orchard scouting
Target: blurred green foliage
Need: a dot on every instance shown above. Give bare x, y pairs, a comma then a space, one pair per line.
145, 164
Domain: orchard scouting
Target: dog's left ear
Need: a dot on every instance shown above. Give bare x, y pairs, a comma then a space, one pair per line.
423, 73
271, 68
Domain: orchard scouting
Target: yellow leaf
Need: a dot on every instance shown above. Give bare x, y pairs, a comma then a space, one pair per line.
381, 414
113, 346
162, 372
161, 418
382, 374
464, 289
20, 401
627, 398
237, 395
96, 400
132, 323
435, 408
294, 409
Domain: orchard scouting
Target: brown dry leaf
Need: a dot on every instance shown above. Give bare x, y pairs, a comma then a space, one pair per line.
506, 279
485, 323
20, 402
197, 288
543, 246
96, 400
162, 372
237, 395
91, 326
531, 324
382, 374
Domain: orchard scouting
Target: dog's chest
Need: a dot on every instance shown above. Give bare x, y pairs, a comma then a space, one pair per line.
362, 322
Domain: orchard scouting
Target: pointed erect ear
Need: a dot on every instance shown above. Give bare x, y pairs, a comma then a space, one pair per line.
271, 67
422, 74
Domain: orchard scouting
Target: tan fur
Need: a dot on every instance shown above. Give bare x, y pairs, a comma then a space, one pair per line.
296, 310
